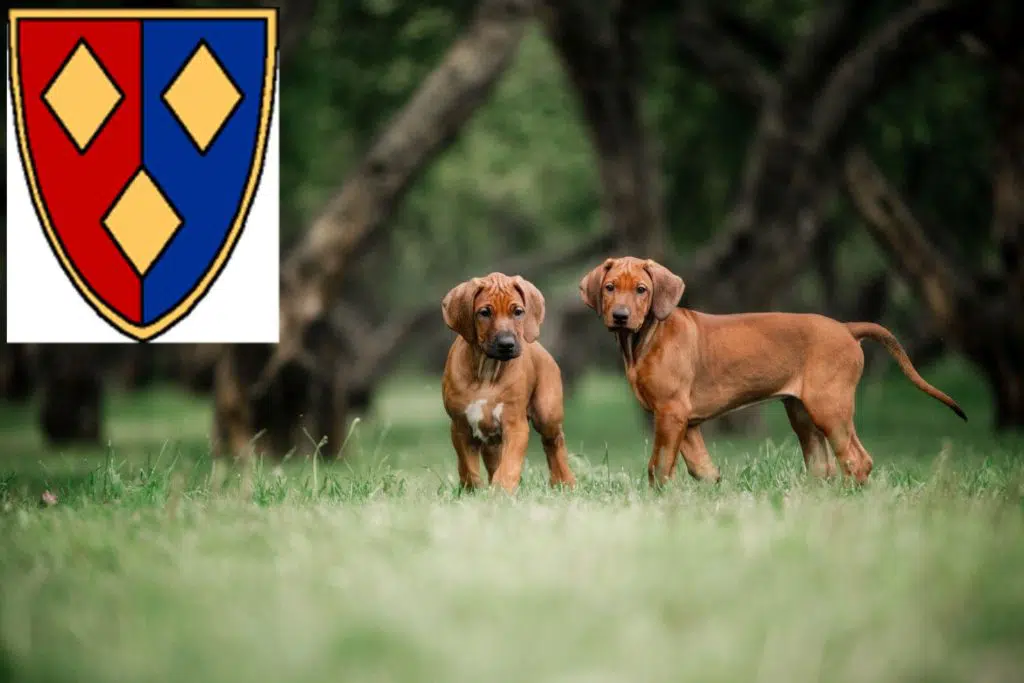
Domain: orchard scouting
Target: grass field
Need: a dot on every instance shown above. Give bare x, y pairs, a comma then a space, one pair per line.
157, 565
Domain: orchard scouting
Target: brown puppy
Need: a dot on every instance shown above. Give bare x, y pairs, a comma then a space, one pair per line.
498, 379
687, 367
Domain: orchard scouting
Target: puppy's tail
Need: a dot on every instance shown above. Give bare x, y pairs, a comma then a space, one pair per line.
895, 349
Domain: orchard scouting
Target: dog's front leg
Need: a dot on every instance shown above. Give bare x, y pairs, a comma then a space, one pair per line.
669, 431
468, 453
557, 454
514, 438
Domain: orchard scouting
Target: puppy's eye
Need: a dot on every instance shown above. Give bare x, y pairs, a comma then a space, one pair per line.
610, 287
640, 289
519, 312
484, 313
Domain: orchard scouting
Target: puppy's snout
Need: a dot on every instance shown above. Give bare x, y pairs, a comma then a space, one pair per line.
620, 315
505, 343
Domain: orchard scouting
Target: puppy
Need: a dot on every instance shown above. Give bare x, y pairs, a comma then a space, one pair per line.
687, 367
498, 379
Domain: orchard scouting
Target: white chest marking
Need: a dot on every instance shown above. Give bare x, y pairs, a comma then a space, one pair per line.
484, 426
475, 413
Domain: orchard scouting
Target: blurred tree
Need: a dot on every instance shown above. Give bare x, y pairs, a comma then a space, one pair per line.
262, 388
977, 303
71, 401
598, 44
830, 74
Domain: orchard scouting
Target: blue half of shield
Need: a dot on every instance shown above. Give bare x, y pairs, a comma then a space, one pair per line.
202, 92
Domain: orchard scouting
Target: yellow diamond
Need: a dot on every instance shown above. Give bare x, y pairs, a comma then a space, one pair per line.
142, 221
202, 97
82, 96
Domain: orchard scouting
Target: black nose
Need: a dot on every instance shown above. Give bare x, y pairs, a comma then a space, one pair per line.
620, 315
506, 344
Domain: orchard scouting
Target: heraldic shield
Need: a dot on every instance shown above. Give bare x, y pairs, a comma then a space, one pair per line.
142, 135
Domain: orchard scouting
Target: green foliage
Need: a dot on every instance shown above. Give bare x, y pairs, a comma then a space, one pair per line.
933, 138
522, 176
358, 64
702, 137
931, 132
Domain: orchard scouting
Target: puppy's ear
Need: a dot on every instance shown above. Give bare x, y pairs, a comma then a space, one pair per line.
667, 291
457, 308
534, 301
590, 285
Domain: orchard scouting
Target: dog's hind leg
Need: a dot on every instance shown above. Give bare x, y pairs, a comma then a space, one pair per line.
836, 421
849, 452
866, 462
695, 454
829, 393
813, 443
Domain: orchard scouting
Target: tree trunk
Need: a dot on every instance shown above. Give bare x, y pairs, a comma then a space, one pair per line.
132, 368
194, 367
250, 421
1004, 371
1008, 232
1009, 392
17, 372
599, 50
71, 408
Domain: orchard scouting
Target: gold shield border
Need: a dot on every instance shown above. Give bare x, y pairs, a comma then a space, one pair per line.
165, 322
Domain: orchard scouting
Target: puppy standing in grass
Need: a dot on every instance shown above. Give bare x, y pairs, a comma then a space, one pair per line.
498, 379
687, 367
